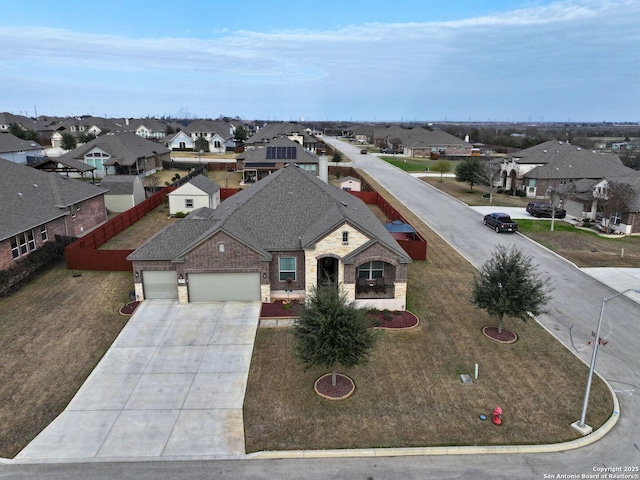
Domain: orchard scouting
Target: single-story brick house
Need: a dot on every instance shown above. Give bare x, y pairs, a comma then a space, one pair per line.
39, 205
276, 239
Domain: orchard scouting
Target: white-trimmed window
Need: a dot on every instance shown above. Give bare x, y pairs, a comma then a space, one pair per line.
43, 233
371, 270
188, 203
345, 238
31, 241
287, 268
15, 250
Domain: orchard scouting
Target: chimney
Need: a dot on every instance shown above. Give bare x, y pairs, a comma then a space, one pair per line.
323, 168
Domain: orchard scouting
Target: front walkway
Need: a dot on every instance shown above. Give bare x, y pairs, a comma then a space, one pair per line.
171, 385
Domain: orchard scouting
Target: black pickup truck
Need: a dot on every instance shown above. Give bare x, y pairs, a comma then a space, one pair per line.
501, 222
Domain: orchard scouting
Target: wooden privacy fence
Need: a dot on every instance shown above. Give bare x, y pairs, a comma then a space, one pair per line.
416, 249
83, 254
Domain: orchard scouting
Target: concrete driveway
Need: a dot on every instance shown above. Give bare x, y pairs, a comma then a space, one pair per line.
171, 385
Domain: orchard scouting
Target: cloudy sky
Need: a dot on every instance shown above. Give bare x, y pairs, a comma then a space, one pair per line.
360, 60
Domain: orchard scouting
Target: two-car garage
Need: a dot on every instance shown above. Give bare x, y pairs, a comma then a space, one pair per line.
224, 287
203, 287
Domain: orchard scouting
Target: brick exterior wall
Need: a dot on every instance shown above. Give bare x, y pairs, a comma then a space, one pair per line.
274, 271
90, 214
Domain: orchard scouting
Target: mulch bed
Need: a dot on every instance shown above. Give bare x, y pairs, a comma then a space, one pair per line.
506, 336
344, 387
129, 308
403, 319
277, 310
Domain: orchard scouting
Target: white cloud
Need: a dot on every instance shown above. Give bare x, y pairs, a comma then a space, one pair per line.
534, 50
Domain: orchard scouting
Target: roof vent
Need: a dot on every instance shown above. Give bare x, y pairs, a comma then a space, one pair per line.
35, 185
343, 203
578, 148
544, 151
19, 194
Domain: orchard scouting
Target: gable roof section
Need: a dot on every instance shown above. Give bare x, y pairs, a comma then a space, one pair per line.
119, 184
289, 210
124, 148
563, 160
31, 198
11, 143
205, 184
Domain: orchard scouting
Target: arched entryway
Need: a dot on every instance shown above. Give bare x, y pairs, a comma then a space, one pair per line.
327, 271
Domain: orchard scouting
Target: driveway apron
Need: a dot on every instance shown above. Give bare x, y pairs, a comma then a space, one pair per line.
171, 385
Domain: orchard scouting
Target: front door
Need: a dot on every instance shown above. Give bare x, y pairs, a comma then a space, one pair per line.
328, 271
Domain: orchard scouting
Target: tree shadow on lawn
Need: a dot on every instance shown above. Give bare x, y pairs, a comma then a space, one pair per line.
410, 394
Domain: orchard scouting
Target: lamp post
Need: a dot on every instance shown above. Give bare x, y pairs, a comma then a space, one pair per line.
580, 425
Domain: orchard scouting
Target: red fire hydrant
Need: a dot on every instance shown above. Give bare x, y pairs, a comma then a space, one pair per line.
497, 416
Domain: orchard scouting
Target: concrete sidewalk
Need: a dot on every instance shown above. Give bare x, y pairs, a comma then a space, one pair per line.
171, 385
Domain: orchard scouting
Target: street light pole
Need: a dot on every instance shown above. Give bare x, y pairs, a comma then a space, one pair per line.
580, 425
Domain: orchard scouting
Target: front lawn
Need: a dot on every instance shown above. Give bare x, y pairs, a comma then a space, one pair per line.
410, 393
412, 164
53, 332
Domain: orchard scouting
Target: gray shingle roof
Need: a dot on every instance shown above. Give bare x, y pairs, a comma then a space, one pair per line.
275, 130
11, 143
118, 184
563, 160
288, 210
204, 184
31, 198
124, 148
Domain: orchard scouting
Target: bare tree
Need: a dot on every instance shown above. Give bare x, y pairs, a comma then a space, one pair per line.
616, 201
487, 174
152, 182
556, 198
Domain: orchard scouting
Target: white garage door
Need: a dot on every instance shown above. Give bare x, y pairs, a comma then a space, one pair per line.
224, 287
160, 284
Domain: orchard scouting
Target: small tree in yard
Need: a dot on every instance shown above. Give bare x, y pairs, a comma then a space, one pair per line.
337, 157
442, 167
68, 141
332, 331
467, 171
618, 197
508, 285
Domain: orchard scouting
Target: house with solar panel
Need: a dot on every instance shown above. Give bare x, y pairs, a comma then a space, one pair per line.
259, 162
278, 239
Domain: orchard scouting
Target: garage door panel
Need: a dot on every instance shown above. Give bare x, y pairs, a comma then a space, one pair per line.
224, 287
160, 284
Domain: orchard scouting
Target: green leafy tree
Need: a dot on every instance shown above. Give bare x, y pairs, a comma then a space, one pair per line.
467, 171
442, 167
22, 133
337, 157
202, 145
240, 134
332, 331
68, 141
508, 285
86, 137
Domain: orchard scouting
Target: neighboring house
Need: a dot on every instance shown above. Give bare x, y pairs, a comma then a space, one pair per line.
148, 128
125, 192
293, 131
178, 141
257, 163
350, 184
549, 165
121, 154
37, 206
584, 199
6, 119
197, 193
280, 238
422, 142
218, 134
17, 150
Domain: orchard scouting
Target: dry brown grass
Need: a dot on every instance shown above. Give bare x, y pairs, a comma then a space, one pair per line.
473, 197
141, 231
410, 393
52, 334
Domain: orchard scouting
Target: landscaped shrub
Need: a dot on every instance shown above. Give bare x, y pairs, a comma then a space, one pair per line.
180, 215
27, 269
